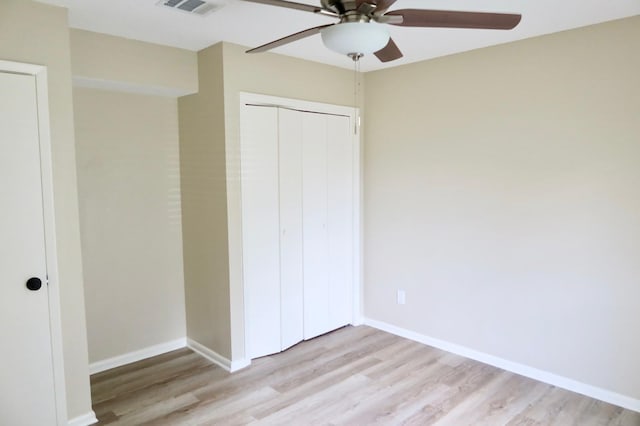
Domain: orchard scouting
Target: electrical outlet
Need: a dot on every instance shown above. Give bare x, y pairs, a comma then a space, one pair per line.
402, 297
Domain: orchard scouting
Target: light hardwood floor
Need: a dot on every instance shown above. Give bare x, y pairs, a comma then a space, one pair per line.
353, 376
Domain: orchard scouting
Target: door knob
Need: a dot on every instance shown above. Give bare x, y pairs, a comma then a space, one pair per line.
34, 284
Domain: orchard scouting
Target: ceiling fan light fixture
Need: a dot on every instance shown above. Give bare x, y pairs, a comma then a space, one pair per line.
355, 37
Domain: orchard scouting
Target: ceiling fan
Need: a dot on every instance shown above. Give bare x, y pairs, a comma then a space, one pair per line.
359, 31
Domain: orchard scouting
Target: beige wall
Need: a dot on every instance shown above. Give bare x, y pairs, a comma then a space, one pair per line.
34, 33
104, 61
129, 196
204, 207
502, 192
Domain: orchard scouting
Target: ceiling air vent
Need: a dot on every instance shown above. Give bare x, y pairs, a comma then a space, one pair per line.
196, 7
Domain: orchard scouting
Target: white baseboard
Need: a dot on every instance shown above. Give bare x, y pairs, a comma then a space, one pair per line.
209, 354
216, 358
357, 320
239, 365
128, 358
514, 367
84, 420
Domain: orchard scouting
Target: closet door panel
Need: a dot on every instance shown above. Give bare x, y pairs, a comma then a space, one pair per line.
261, 233
340, 220
315, 243
291, 296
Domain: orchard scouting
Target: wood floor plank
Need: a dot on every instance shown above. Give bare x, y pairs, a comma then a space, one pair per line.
151, 413
137, 366
311, 408
392, 388
218, 411
157, 392
137, 379
353, 376
334, 359
312, 387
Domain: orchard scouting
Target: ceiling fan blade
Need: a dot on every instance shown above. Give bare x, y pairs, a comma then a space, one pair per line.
455, 19
289, 4
288, 39
389, 53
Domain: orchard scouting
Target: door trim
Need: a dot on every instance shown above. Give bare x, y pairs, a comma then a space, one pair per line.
55, 324
254, 99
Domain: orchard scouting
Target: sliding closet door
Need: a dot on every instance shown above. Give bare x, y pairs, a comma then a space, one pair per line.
314, 219
340, 234
260, 228
291, 295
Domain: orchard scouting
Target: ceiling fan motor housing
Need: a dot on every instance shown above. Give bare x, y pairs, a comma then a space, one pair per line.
339, 6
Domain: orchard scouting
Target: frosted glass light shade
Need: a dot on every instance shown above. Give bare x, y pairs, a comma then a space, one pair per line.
355, 37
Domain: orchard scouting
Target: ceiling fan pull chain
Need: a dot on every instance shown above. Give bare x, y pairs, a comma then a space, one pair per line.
356, 70
358, 91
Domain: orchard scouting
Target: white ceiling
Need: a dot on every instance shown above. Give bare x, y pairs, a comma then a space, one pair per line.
251, 24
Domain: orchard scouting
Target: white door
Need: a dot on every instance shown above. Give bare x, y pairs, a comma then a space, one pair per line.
260, 228
328, 200
340, 218
291, 273
314, 208
272, 227
27, 394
